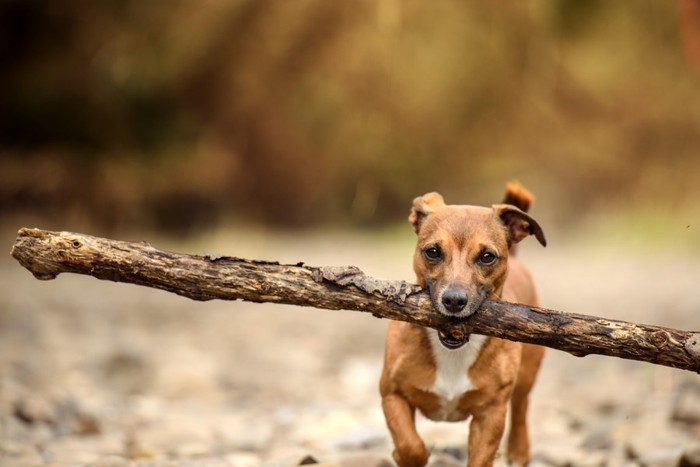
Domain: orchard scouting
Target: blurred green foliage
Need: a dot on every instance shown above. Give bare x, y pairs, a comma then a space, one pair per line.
182, 113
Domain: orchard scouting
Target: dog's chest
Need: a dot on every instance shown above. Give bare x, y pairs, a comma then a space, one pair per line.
451, 376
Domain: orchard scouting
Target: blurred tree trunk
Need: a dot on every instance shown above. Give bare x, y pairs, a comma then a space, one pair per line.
689, 28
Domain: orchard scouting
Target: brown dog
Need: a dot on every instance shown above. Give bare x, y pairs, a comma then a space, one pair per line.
462, 258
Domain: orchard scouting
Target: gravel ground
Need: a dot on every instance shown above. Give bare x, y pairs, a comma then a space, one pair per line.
104, 374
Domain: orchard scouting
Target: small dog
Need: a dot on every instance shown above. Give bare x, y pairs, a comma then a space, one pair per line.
461, 259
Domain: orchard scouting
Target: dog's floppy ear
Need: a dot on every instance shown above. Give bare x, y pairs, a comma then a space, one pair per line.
519, 224
423, 206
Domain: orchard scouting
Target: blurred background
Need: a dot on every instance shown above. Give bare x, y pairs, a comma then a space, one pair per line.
302, 130
180, 115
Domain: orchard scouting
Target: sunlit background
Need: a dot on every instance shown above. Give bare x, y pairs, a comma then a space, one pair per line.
301, 131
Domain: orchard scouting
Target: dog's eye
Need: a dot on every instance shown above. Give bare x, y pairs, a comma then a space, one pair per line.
433, 253
487, 258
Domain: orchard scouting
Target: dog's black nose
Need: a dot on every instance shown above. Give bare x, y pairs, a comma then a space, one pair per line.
454, 300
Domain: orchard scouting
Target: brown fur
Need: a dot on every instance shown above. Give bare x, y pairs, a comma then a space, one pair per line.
502, 371
518, 196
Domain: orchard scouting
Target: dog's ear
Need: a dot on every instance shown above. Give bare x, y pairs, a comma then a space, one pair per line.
519, 224
423, 206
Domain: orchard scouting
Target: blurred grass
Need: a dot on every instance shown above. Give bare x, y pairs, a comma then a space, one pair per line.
191, 115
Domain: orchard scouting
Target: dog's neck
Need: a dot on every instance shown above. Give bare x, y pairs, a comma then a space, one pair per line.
452, 371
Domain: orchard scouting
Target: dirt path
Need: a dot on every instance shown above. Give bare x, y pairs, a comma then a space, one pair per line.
99, 373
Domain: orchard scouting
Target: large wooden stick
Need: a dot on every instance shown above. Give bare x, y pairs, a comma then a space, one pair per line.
47, 254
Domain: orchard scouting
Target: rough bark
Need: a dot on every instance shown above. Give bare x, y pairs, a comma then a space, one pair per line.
47, 254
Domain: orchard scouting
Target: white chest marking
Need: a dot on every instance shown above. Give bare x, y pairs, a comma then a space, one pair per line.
451, 377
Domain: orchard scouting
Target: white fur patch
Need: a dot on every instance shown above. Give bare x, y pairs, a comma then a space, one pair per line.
451, 377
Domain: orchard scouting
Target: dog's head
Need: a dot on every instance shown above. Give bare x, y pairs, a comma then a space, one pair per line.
461, 254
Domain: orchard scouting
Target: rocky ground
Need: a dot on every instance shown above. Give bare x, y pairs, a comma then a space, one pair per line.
104, 374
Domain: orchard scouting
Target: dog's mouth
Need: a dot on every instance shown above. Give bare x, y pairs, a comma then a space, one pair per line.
452, 342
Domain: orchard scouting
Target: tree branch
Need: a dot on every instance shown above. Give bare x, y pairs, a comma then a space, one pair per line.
47, 254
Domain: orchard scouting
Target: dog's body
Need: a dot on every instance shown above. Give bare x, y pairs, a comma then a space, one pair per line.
462, 259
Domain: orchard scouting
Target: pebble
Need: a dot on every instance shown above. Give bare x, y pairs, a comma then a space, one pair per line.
68, 456
442, 460
239, 434
687, 406
560, 454
19, 453
668, 457
189, 449
64, 416
71, 418
128, 372
110, 461
34, 409
366, 460
655, 448
598, 439
323, 431
22, 462
80, 447
292, 460
441, 436
362, 437
243, 459
690, 456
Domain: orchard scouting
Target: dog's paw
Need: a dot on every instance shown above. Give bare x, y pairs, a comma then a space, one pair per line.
412, 456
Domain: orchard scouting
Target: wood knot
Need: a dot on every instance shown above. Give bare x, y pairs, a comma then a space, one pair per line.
44, 276
660, 339
74, 242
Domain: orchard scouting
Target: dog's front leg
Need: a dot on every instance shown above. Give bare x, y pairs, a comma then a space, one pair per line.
409, 449
485, 432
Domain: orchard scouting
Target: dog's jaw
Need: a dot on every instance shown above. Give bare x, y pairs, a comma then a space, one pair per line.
452, 343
